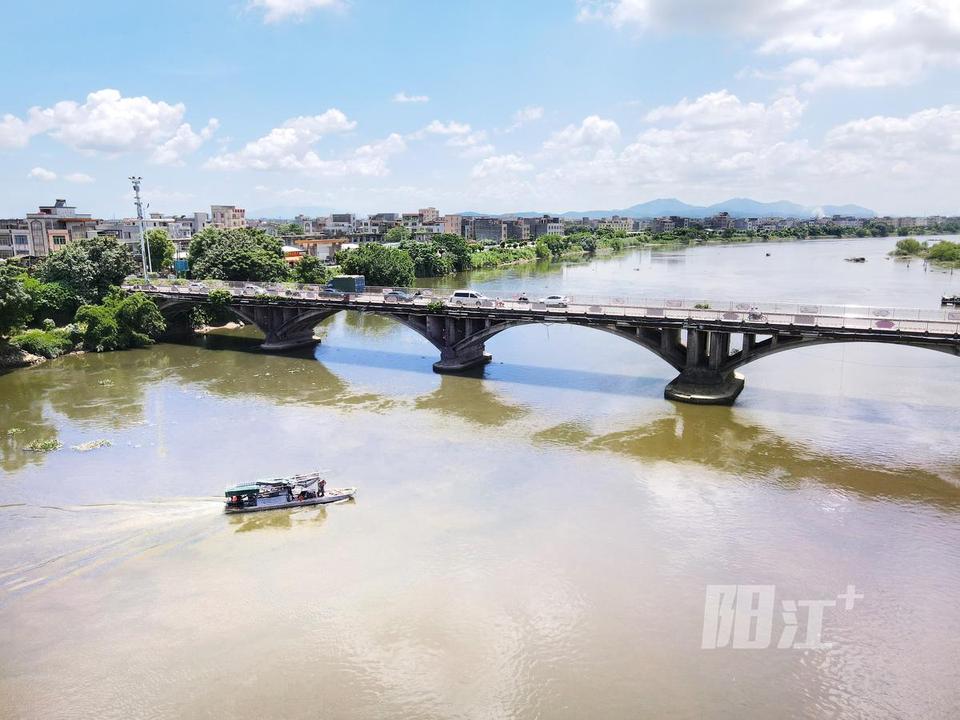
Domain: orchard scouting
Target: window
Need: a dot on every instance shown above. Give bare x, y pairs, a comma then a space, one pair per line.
20, 239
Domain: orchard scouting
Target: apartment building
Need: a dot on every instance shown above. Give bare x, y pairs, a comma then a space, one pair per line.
453, 224
14, 238
227, 216
53, 226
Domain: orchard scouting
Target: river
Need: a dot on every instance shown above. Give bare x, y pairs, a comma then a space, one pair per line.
535, 543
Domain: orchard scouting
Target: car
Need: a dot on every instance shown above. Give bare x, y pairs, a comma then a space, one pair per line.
250, 289
197, 287
466, 297
554, 300
397, 295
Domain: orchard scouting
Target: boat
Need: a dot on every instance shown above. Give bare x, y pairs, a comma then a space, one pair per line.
950, 300
280, 493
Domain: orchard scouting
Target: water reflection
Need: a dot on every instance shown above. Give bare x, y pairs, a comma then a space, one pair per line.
470, 400
716, 438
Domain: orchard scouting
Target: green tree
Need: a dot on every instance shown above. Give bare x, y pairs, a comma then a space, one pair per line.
380, 265
89, 267
556, 244
289, 228
161, 249
542, 251
121, 321
456, 248
909, 246
310, 271
944, 251
16, 304
237, 254
428, 260
398, 234
51, 300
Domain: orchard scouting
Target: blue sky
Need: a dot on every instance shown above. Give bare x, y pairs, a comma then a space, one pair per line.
490, 106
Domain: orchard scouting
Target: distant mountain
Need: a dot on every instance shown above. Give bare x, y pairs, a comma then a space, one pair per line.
855, 210
737, 207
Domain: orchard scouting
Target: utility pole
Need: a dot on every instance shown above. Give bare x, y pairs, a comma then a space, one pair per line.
143, 232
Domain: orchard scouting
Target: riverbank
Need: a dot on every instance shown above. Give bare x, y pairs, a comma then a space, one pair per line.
12, 358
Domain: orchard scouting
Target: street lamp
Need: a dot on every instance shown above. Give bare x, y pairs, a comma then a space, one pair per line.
144, 247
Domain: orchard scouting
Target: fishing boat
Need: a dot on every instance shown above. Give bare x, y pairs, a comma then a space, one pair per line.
280, 493
950, 300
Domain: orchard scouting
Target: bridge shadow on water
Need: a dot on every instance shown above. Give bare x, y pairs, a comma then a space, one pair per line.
851, 409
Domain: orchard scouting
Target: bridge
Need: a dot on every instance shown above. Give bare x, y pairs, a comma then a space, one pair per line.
705, 342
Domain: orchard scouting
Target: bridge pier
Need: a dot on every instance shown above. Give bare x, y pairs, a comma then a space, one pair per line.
703, 379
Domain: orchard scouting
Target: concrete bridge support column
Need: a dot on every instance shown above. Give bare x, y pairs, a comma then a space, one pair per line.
458, 352
283, 328
702, 382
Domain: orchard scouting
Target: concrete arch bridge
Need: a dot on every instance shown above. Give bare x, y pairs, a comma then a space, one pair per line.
705, 342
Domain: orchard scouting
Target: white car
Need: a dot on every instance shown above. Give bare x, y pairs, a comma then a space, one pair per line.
554, 300
467, 297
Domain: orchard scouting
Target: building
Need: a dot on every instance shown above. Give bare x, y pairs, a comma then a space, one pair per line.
544, 225
14, 238
341, 224
227, 216
319, 246
429, 215
487, 230
624, 224
53, 226
453, 224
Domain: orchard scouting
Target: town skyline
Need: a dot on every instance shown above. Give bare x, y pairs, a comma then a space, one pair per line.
310, 104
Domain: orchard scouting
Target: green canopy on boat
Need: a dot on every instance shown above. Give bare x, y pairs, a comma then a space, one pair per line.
248, 489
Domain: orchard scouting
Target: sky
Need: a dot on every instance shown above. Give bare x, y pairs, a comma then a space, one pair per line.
495, 106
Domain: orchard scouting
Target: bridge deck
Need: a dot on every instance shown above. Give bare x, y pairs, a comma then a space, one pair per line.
729, 316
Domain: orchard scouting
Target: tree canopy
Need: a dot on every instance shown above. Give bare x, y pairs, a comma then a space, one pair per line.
88, 267
289, 228
15, 302
310, 271
380, 265
161, 249
120, 322
237, 254
398, 234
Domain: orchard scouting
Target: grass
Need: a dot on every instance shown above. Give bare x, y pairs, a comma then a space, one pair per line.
44, 445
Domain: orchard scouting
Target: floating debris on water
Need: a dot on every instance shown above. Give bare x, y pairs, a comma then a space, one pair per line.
105, 383
44, 445
14, 431
92, 445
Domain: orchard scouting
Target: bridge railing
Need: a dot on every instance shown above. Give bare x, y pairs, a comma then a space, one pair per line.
743, 313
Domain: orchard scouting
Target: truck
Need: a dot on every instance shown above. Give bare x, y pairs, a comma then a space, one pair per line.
348, 283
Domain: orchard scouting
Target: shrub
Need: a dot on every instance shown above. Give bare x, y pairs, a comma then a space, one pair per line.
435, 306
121, 322
909, 246
46, 343
44, 445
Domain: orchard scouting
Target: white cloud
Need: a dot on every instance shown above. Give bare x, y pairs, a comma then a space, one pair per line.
79, 178
402, 97
290, 147
842, 43
111, 123
451, 128
39, 173
524, 116
593, 132
500, 164
279, 10
184, 142
286, 147
14, 132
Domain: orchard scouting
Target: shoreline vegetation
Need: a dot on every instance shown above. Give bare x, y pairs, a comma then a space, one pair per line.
945, 253
70, 302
